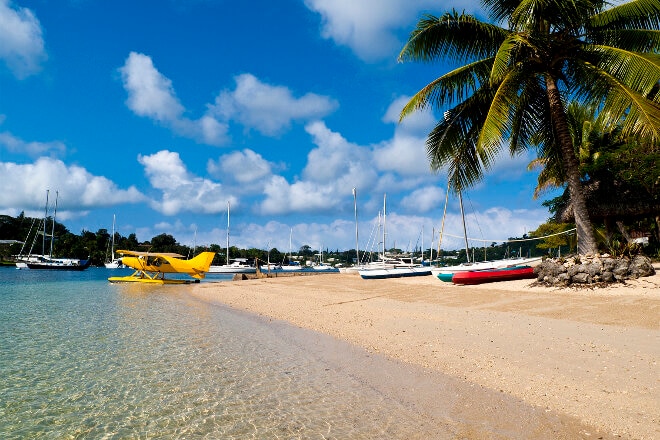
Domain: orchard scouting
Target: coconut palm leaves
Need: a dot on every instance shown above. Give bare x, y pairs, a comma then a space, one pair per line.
515, 80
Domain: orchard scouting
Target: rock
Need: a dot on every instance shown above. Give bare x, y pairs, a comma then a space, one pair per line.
607, 277
581, 277
620, 270
590, 269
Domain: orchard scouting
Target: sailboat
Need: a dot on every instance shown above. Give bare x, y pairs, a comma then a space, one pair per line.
44, 261
391, 268
239, 265
447, 273
114, 263
322, 265
293, 266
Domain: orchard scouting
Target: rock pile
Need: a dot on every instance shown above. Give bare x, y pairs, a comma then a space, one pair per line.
592, 269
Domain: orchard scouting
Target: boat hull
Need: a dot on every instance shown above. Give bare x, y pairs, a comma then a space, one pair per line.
489, 276
373, 274
114, 264
446, 276
230, 269
53, 265
136, 279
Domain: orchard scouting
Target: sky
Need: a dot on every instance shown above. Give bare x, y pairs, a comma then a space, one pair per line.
164, 113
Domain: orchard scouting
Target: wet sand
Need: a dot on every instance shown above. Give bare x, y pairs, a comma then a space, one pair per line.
547, 362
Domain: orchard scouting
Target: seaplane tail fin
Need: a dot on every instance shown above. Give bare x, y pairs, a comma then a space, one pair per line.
202, 262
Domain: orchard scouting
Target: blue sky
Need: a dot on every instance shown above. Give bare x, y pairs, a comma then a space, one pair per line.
162, 112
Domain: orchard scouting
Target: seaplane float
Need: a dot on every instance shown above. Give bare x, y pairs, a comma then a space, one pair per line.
151, 267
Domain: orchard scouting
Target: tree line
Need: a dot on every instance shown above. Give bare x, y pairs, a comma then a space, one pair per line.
20, 233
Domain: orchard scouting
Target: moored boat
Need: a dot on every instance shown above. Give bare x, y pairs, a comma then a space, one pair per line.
489, 276
46, 260
59, 264
239, 265
444, 273
445, 276
395, 272
113, 262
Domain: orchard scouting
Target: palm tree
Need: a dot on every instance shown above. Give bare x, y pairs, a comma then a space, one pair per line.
516, 80
591, 135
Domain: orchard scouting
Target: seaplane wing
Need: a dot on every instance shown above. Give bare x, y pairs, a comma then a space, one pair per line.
150, 266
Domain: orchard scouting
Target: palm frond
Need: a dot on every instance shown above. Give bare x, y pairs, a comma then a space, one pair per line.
639, 14
633, 40
530, 15
619, 100
506, 53
497, 124
453, 86
638, 71
453, 35
530, 118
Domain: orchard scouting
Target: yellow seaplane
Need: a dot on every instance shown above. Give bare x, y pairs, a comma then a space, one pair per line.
151, 267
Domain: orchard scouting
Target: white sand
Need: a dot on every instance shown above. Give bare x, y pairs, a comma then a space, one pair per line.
591, 354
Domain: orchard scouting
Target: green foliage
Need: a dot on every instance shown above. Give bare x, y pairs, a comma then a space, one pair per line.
554, 241
617, 248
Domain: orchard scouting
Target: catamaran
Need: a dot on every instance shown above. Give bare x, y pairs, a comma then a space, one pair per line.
47, 261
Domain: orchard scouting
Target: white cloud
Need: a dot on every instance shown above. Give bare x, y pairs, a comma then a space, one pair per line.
267, 108
375, 29
333, 169
275, 234
335, 160
336, 166
25, 185
243, 167
301, 196
419, 123
151, 94
182, 191
403, 154
33, 149
424, 199
21, 42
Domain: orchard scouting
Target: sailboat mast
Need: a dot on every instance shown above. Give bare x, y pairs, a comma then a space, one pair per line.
384, 217
43, 238
357, 252
422, 244
227, 262
52, 234
467, 248
290, 236
113, 238
444, 216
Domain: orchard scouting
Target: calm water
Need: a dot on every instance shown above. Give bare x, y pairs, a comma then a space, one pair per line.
83, 358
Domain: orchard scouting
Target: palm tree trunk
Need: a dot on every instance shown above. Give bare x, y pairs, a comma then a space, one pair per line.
585, 232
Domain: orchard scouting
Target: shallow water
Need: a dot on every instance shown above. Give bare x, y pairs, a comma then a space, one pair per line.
83, 358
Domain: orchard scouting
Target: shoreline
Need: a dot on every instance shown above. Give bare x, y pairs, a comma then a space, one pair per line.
589, 354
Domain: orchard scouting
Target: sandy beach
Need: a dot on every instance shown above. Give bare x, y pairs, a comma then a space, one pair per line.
588, 356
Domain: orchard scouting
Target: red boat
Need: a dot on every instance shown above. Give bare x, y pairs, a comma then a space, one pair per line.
489, 276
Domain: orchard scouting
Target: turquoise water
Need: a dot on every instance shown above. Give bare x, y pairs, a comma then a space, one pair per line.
84, 358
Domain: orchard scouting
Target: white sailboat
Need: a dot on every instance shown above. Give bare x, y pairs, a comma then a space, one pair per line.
114, 263
238, 265
392, 268
445, 273
47, 261
293, 266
